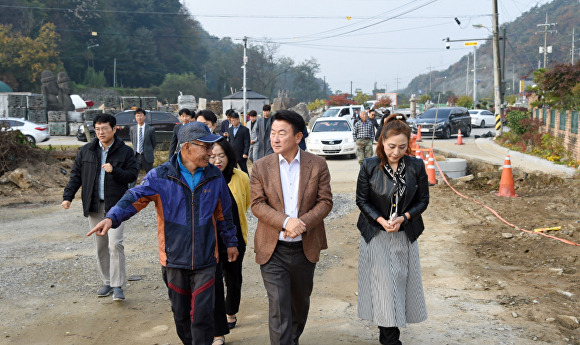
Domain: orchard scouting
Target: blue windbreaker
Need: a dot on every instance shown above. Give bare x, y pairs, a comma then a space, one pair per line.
187, 223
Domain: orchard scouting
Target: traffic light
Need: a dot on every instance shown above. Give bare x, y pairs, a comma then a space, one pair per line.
447, 45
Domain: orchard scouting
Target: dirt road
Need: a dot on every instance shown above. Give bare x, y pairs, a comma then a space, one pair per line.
481, 287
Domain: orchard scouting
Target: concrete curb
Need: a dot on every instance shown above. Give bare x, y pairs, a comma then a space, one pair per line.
486, 150
533, 163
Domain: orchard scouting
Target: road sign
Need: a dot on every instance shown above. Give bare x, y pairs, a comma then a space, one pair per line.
470, 43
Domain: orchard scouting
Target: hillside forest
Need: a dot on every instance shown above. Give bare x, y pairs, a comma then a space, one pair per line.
152, 47
521, 59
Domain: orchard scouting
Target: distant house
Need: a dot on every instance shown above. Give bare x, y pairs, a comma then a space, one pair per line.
254, 101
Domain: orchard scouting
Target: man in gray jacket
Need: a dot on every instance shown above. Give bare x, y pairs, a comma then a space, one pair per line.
263, 133
254, 145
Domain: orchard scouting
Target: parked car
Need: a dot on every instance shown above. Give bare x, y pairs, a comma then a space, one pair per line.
346, 111
481, 118
331, 136
33, 132
449, 121
162, 121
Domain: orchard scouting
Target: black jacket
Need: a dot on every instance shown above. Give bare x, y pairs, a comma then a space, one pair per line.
241, 142
86, 169
174, 141
373, 196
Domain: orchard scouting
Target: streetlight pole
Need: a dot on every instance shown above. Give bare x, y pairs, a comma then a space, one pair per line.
467, 77
244, 67
474, 76
496, 72
88, 53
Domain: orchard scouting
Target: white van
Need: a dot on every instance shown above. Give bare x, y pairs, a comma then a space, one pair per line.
347, 111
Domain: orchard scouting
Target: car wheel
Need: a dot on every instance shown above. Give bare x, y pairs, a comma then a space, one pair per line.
446, 133
482, 124
467, 131
30, 139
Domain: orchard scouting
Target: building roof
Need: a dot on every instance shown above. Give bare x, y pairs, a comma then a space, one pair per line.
249, 95
4, 87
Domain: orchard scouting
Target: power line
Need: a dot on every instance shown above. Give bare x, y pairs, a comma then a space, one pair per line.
348, 25
249, 16
370, 25
60, 9
270, 39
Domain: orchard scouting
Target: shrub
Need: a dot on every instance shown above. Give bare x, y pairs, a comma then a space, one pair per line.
317, 104
464, 101
514, 118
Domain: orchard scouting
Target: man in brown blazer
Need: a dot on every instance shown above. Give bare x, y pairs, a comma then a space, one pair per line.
291, 196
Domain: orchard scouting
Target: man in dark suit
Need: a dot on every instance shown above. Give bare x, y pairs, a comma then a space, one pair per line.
239, 137
291, 196
185, 116
143, 140
226, 124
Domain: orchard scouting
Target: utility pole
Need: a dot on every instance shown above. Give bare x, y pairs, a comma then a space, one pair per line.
244, 67
503, 69
545, 49
429, 79
397, 81
115, 73
572, 62
474, 76
351, 88
496, 72
513, 78
467, 77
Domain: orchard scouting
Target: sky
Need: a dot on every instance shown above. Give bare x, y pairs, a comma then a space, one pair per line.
360, 42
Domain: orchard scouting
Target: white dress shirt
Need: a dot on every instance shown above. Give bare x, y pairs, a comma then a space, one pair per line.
290, 179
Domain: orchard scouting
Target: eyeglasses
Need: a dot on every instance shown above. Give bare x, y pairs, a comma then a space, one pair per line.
207, 147
221, 156
103, 129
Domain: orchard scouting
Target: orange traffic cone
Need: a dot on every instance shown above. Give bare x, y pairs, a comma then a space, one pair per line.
418, 152
431, 169
506, 184
418, 135
459, 138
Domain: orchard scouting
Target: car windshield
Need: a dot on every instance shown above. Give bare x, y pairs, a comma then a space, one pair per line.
331, 113
430, 114
473, 111
331, 126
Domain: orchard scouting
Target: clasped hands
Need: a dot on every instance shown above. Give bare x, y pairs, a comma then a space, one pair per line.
294, 227
393, 226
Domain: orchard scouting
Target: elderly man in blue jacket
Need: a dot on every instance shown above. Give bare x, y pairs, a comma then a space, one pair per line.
193, 207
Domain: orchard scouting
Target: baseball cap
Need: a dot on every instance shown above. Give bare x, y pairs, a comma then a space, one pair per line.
196, 131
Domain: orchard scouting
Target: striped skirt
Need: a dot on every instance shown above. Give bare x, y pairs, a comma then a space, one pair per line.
390, 291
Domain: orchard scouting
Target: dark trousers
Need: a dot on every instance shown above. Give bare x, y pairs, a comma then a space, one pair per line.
243, 165
219, 312
233, 277
192, 302
141, 165
389, 336
288, 278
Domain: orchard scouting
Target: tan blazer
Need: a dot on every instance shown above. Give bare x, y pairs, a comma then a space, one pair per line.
314, 204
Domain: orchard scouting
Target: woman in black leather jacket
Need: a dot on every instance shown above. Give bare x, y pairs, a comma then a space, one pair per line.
392, 193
